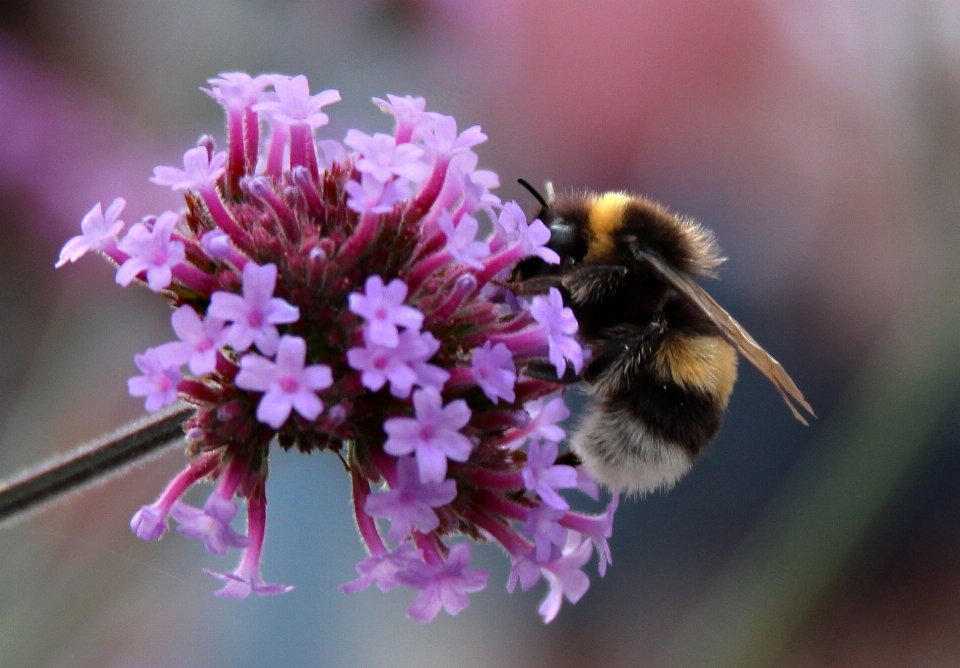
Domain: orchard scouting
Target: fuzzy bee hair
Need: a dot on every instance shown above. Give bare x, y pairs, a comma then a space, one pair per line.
664, 354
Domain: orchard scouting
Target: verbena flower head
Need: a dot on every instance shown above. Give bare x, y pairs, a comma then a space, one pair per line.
341, 296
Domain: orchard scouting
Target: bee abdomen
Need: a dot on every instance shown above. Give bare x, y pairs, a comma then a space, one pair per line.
623, 454
646, 435
647, 440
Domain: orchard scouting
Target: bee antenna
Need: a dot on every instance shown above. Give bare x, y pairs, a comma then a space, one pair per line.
533, 191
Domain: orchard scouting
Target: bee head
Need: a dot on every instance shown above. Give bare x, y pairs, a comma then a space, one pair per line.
566, 238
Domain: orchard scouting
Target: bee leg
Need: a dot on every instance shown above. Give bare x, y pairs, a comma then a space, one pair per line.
545, 370
603, 357
595, 283
535, 286
586, 284
629, 343
569, 458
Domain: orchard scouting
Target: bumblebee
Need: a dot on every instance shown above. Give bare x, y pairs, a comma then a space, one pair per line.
663, 352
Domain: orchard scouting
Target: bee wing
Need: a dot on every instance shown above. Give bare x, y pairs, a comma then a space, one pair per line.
730, 330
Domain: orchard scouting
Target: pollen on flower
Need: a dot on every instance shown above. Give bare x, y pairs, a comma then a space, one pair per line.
338, 295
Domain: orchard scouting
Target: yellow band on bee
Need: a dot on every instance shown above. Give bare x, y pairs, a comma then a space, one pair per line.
605, 218
706, 363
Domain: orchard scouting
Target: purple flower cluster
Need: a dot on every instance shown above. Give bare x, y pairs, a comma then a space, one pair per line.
337, 296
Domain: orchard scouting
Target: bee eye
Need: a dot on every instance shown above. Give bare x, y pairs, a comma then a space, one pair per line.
565, 239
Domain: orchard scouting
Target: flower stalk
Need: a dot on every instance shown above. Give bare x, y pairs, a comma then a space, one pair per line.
92, 463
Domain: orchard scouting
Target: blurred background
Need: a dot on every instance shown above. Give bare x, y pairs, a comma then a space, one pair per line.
821, 141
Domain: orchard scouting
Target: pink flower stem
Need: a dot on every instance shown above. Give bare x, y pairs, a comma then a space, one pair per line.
430, 191
508, 481
193, 278
512, 542
528, 390
197, 391
404, 133
387, 466
231, 478
585, 524
225, 367
466, 206
236, 258
430, 230
512, 436
465, 286
434, 243
236, 160
365, 523
462, 378
494, 419
317, 268
482, 316
450, 193
278, 142
223, 219
251, 139
195, 252
429, 544
363, 236
304, 181
497, 263
500, 506
261, 189
426, 267
114, 254
302, 151
521, 320
198, 468
528, 342
256, 528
